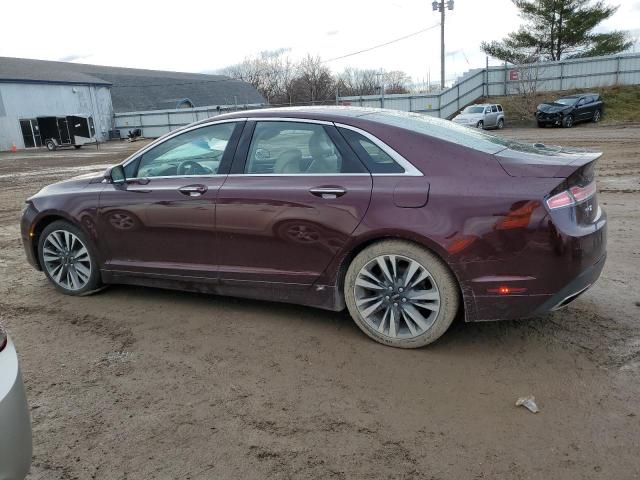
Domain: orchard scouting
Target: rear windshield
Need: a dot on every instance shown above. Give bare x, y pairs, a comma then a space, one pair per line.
449, 131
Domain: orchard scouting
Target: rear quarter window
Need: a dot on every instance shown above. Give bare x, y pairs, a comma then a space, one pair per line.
374, 157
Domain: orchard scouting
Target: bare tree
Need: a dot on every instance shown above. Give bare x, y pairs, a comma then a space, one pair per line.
396, 81
354, 81
283, 81
315, 82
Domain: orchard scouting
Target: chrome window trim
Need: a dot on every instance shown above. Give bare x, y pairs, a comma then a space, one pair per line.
170, 135
289, 119
409, 169
338, 174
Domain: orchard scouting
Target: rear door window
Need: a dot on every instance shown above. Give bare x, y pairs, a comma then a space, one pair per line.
494, 108
296, 148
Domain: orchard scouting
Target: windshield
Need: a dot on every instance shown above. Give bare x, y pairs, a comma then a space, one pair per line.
450, 132
473, 109
567, 101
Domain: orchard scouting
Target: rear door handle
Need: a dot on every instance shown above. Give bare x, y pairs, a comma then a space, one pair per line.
328, 192
193, 190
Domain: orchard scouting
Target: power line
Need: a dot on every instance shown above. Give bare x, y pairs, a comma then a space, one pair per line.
218, 80
383, 44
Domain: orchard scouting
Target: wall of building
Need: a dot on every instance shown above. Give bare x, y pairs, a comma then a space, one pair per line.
156, 123
29, 100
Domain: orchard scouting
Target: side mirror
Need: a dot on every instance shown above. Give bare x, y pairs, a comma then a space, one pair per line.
116, 175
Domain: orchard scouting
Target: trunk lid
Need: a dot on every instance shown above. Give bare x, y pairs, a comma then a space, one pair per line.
544, 161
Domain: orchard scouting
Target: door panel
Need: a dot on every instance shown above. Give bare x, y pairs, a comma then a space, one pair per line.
490, 118
63, 128
27, 134
162, 219
155, 228
275, 229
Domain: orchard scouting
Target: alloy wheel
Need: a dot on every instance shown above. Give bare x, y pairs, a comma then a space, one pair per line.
397, 296
67, 260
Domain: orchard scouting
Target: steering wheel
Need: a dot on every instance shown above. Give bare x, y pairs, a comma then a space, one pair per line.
190, 167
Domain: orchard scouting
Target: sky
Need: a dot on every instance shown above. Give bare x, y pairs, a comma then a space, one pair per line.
203, 36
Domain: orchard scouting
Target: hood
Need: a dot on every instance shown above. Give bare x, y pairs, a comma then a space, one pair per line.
544, 161
76, 183
553, 107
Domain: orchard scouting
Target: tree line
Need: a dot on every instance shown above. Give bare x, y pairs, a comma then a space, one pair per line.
283, 81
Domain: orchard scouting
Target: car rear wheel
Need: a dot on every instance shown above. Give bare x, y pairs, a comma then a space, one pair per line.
541, 124
68, 259
500, 124
400, 294
597, 115
51, 145
567, 122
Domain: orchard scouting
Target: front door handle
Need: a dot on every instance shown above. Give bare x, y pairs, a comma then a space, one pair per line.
328, 192
193, 190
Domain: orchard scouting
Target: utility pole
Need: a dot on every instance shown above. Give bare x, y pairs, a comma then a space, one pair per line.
438, 5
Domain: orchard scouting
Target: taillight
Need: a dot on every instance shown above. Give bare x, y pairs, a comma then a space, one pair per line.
572, 196
3, 337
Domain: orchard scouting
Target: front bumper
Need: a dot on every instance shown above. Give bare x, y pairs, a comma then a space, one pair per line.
549, 118
15, 422
27, 232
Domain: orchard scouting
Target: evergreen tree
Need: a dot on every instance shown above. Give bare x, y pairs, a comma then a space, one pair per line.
559, 29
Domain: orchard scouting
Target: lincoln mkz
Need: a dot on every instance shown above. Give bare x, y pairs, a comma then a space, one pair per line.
404, 219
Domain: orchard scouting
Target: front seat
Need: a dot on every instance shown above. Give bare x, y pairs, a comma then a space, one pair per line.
288, 162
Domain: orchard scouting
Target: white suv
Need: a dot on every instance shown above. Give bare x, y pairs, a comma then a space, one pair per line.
483, 115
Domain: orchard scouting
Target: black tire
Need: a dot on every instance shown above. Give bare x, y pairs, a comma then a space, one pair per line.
597, 115
77, 147
541, 124
93, 282
480, 125
567, 122
51, 145
440, 275
501, 124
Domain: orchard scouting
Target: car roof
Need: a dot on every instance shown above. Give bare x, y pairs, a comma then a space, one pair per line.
577, 95
329, 113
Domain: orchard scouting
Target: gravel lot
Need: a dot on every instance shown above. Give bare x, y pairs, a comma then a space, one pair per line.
139, 383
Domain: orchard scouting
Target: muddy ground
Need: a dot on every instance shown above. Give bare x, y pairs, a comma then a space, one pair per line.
139, 383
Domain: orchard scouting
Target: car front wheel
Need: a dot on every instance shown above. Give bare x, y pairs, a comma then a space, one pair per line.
567, 122
401, 294
480, 125
68, 259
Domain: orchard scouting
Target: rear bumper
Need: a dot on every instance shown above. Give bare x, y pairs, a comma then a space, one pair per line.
547, 274
574, 289
15, 423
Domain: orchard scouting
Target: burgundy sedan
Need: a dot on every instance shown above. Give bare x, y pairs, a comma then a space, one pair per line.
404, 219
